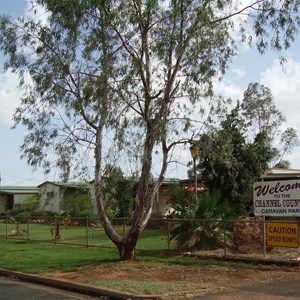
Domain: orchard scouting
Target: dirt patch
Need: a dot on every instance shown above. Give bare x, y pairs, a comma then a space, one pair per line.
210, 280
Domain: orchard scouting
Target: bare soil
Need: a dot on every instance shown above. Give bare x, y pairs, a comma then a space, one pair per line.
210, 280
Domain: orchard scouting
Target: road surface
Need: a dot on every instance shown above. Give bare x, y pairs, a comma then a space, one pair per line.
12, 290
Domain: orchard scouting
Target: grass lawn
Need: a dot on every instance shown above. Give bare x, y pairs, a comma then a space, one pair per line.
150, 239
54, 259
39, 258
34, 251
96, 266
150, 274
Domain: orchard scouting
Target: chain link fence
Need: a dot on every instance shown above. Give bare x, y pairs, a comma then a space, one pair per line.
251, 238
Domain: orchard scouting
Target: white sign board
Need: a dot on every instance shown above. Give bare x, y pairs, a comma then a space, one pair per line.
277, 198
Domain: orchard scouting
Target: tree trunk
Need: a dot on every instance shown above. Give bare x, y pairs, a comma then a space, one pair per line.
127, 251
127, 246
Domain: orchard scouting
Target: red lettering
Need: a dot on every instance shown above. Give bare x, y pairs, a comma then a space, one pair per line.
265, 189
262, 190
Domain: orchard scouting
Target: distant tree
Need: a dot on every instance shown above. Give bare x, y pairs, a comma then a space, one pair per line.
118, 192
288, 141
283, 164
235, 155
260, 110
31, 203
229, 163
77, 203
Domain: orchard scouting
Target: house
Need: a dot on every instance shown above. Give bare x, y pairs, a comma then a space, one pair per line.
12, 196
161, 202
280, 174
54, 194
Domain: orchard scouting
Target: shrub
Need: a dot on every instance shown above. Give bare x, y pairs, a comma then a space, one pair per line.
201, 227
77, 203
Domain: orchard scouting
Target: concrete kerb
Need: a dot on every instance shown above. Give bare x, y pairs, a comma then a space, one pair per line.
290, 263
74, 287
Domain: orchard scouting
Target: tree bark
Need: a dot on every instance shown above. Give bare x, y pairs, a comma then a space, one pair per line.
127, 247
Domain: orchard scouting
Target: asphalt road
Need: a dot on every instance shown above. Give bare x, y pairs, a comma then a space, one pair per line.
13, 290
269, 291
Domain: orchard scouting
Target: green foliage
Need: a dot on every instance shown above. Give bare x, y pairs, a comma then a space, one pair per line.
75, 204
232, 159
31, 203
201, 226
14, 212
86, 68
289, 140
118, 192
28, 207
114, 73
182, 203
259, 109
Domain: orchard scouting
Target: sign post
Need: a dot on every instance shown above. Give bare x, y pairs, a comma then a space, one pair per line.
282, 199
277, 198
281, 234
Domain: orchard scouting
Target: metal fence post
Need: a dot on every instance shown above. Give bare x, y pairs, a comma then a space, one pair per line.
27, 230
6, 227
169, 234
54, 231
87, 231
224, 233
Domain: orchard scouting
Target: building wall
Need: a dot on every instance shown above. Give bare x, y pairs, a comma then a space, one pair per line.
50, 197
54, 195
160, 204
11, 197
3, 201
19, 198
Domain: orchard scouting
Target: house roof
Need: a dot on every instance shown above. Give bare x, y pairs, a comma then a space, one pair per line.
70, 184
281, 173
18, 190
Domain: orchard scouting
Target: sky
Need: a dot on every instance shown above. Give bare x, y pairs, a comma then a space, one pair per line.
248, 66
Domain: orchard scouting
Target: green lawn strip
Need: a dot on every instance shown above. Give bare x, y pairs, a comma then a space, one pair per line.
47, 258
40, 258
140, 287
150, 239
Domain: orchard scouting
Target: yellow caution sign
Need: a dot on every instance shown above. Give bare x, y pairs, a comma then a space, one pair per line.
281, 234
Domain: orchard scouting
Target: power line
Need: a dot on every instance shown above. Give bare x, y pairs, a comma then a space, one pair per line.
18, 177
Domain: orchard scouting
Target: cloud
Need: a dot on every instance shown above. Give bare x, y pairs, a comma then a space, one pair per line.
9, 97
9, 92
238, 73
36, 12
284, 82
229, 89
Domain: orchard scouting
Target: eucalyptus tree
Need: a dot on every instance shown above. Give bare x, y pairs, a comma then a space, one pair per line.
261, 111
230, 162
264, 117
127, 75
236, 152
